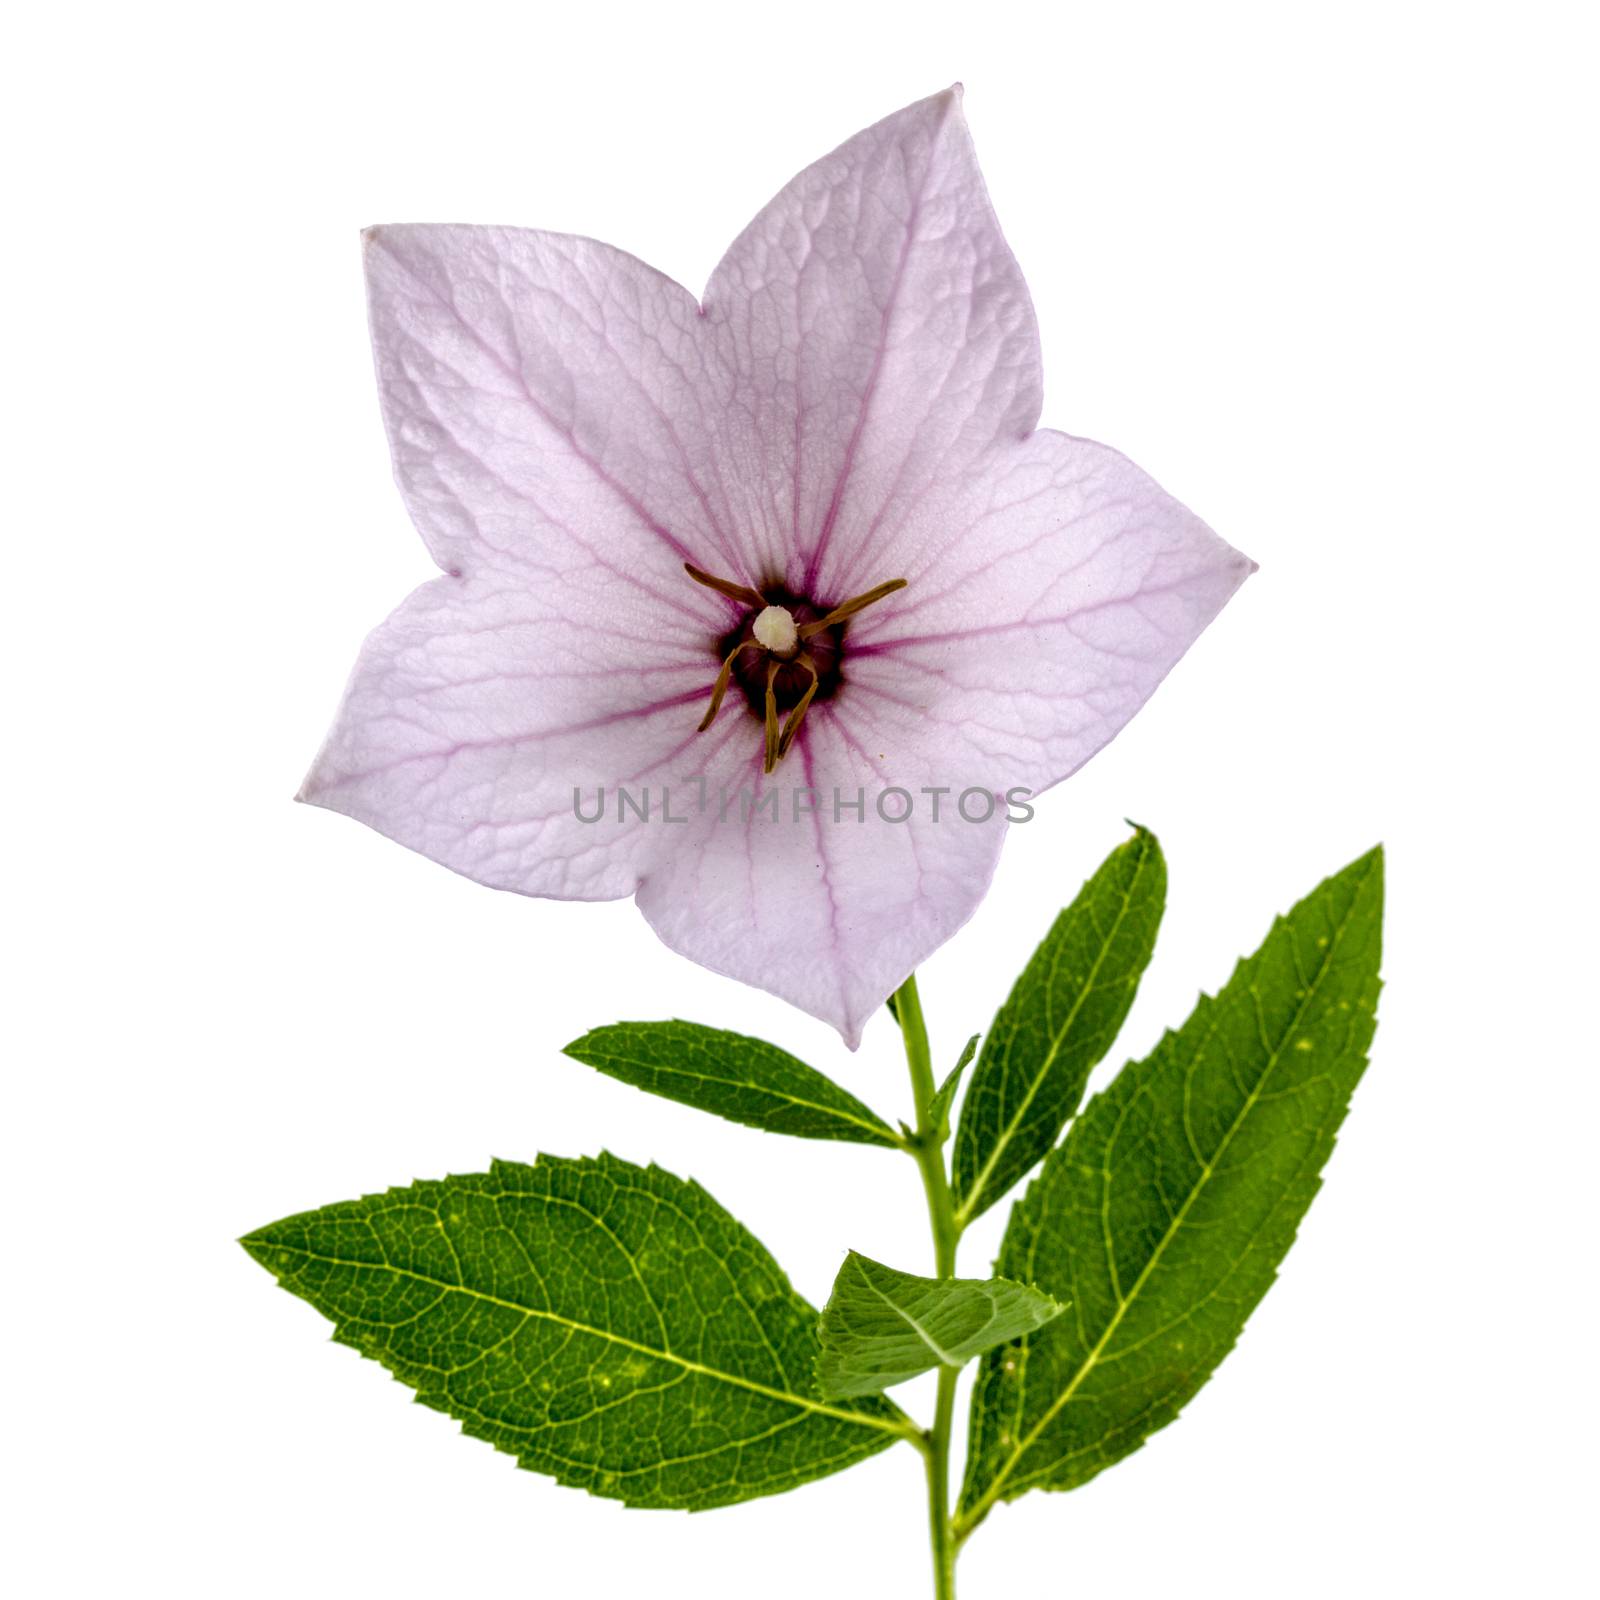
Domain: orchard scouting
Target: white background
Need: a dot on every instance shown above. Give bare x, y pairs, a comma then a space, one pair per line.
1325, 271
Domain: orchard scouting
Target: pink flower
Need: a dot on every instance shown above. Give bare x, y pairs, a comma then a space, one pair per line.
848, 415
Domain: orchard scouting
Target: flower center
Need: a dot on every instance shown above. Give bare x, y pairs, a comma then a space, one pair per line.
783, 654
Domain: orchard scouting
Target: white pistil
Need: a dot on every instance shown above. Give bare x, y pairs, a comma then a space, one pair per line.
775, 630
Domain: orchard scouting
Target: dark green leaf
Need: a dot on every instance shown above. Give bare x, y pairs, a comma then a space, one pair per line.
881, 1327
1057, 1024
744, 1080
1165, 1213
608, 1324
939, 1108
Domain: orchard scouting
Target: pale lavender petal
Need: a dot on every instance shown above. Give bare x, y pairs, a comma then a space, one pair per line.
826, 911
877, 337
1049, 595
473, 716
540, 396
543, 399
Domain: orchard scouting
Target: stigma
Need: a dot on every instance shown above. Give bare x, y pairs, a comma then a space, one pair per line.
775, 630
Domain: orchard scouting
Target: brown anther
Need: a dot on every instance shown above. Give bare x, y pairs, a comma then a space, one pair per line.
720, 687
797, 716
726, 586
771, 718
850, 607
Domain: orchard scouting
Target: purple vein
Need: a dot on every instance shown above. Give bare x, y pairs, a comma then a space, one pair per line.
626, 496
880, 355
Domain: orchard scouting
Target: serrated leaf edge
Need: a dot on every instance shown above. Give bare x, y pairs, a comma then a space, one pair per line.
1143, 840
942, 1358
259, 1251
968, 1518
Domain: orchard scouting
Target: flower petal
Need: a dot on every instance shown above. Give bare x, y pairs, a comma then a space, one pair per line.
477, 728
877, 337
811, 904
1070, 586
543, 397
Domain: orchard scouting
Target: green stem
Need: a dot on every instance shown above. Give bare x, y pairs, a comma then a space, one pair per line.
941, 1533
927, 1145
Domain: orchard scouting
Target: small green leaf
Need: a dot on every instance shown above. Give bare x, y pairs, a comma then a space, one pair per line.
881, 1327
939, 1107
745, 1080
1165, 1213
610, 1325
892, 1006
1057, 1024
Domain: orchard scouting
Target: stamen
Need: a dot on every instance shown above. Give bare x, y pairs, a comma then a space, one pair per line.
850, 607
792, 726
720, 688
772, 717
726, 586
777, 637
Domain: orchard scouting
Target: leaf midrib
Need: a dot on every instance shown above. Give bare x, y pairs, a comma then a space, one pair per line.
966, 1522
785, 1396
881, 1131
968, 1208
944, 1357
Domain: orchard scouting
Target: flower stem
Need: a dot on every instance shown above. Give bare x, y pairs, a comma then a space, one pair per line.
927, 1145
942, 1535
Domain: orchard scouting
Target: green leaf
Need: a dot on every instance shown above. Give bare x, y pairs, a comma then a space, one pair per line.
1165, 1213
610, 1325
881, 1327
744, 1080
939, 1106
1058, 1023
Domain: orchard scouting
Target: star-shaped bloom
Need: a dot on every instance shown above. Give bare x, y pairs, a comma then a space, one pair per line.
778, 568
